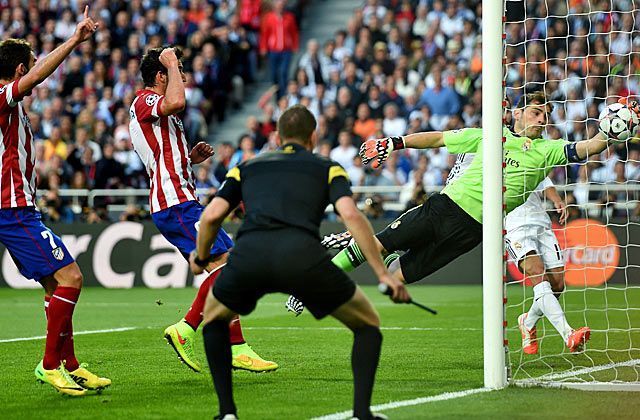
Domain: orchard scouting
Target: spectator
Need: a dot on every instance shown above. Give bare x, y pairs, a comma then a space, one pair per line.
109, 172
441, 100
345, 151
223, 160
393, 124
246, 150
311, 64
364, 126
55, 145
279, 40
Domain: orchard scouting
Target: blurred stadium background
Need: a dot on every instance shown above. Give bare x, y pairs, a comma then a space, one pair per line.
365, 69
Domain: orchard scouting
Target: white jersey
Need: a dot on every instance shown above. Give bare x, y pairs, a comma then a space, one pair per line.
532, 212
463, 161
161, 144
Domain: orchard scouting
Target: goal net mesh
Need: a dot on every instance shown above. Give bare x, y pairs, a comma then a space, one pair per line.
584, 55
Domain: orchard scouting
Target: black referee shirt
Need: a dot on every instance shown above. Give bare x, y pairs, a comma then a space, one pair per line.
290, 187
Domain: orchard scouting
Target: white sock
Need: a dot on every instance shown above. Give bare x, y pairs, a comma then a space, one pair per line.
534, 314
548, 304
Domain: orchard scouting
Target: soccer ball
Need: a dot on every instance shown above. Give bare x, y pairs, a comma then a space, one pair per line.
618, 123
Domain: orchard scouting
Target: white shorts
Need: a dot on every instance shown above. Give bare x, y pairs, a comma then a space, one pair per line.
537, 239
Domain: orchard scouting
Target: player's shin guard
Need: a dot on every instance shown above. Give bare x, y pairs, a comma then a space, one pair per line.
216, 344
349, 258
194, 315
60, 311
364, 363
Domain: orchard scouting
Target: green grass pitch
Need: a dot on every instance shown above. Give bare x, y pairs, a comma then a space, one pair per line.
423, 355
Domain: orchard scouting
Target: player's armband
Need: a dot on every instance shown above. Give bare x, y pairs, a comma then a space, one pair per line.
571, 153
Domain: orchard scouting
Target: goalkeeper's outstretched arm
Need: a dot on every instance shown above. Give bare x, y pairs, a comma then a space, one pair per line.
424, 140
586, 148
378, 150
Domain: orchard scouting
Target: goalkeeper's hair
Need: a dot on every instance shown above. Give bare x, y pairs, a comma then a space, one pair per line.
13, 52
296, 123
534, 98
151, 65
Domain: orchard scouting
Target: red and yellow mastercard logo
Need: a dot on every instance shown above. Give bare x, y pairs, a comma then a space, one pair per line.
591, 253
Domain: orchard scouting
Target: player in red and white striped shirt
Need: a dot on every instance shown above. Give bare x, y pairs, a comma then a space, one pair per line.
37, 251
158, 138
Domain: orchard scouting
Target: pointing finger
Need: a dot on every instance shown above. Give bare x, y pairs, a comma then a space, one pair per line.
86, 11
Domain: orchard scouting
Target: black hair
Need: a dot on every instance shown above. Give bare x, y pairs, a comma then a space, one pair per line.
151, 65
13, 52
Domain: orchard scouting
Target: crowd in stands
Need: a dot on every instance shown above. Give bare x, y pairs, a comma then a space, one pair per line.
397, 67
405, 66
79, 115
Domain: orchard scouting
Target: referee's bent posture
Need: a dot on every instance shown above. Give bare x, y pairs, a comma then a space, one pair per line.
278, 249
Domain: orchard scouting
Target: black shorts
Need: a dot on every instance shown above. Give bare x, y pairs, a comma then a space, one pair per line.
287, 261
432, 234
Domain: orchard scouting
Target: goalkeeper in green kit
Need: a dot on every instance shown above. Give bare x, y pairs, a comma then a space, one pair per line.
449, 224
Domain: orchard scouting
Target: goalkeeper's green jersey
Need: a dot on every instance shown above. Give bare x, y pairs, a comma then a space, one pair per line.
527, 162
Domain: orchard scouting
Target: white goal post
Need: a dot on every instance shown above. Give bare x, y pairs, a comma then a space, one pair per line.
610, 307
492, 242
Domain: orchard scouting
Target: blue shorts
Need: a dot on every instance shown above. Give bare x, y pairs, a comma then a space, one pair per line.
179, 225
36, 250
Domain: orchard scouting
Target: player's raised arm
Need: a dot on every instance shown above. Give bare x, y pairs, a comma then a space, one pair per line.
362, 232
46, 66
174, 99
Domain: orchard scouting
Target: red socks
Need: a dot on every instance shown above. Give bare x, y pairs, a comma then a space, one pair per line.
59, 328
235, 332
194, 316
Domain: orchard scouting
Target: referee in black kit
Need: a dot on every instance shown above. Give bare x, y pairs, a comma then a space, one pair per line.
285, 194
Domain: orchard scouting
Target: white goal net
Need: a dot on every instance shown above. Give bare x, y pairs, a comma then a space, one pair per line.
583, 54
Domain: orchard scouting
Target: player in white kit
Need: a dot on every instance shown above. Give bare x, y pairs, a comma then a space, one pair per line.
534, 248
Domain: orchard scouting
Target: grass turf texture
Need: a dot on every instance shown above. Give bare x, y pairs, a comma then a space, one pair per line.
423, 355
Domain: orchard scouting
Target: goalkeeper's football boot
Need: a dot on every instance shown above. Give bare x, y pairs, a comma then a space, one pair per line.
529, 337
578, 338
59, 379
243, 357
89, 380
182, 338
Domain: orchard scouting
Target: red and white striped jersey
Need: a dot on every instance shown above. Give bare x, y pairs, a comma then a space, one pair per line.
161, 144
17, 151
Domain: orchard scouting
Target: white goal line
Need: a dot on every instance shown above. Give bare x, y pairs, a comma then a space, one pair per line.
407, 403
40, 337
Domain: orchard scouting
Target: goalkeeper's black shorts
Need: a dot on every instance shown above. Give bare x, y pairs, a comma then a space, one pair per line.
288, 261
432, 234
